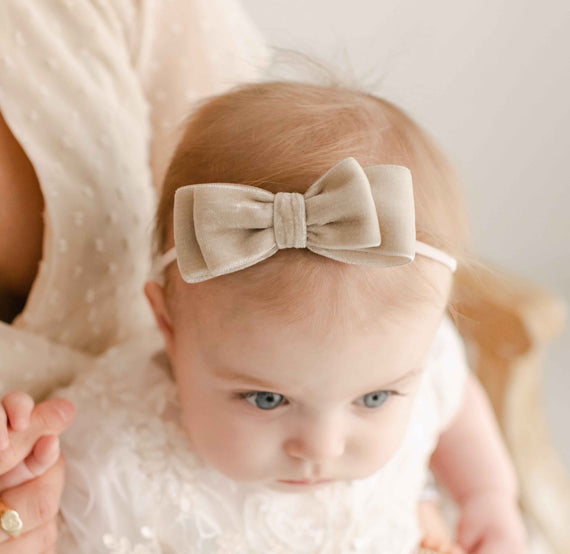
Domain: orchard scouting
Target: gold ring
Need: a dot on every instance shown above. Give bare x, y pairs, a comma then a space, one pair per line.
10, 520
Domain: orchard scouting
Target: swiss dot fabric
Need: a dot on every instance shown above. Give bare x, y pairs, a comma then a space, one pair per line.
95, 92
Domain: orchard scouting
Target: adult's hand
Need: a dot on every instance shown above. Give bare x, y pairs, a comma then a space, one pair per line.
37, 502
32, 476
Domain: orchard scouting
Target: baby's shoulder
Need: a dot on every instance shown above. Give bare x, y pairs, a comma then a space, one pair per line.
128, 457
127, 402
446, 340
447, 371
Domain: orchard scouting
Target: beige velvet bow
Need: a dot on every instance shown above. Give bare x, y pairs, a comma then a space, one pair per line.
350, 214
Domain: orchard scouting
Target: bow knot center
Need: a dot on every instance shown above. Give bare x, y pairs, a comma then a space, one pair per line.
289, 220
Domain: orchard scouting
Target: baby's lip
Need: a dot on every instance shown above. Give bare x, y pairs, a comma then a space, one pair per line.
305, 481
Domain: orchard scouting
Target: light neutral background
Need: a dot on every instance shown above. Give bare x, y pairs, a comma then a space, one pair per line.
491, 81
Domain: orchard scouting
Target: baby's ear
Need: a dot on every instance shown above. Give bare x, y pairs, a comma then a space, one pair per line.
155, 295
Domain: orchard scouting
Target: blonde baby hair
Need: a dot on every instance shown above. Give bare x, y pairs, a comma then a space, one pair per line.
282, 136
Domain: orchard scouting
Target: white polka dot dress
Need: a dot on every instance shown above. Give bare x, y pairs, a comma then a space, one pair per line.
95, 92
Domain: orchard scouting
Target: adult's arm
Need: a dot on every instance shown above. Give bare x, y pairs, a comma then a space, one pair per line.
182, 52
21, 224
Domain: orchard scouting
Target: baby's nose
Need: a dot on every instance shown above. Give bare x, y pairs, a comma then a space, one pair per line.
317, 441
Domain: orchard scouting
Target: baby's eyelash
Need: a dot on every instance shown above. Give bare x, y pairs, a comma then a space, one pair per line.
389, 392
244, 394
248, 394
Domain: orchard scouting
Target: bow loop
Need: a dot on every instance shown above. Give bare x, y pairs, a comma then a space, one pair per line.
341, 214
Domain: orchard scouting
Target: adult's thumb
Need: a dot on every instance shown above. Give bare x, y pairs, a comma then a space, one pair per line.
52, 417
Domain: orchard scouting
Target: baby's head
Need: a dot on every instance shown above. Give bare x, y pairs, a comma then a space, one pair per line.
301, 367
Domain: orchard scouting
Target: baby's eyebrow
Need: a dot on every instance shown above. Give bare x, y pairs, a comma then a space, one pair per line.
404, 377
232, 375
235, 376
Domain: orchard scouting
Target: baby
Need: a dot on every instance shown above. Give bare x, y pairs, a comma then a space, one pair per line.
305, 375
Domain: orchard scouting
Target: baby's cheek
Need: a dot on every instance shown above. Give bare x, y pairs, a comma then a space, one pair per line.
246, 458
230, 444
377, 447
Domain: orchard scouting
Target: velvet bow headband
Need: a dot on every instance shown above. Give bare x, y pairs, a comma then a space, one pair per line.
351, 214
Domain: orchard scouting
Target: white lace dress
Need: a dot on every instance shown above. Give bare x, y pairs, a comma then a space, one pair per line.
134, 484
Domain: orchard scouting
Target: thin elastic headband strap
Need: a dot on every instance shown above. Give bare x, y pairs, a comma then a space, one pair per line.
421, 248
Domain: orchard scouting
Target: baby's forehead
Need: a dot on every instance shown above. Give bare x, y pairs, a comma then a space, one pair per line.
218, 315
326, 307
298, 359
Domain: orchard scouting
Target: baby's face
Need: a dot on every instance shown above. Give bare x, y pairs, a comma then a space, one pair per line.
277, 404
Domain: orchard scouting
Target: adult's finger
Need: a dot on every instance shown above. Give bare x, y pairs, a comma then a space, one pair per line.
44, 454
40, 540
51, 417
36, 501
4, 439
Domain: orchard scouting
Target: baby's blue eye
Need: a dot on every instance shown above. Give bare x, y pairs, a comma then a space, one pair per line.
264, 400
375, 399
